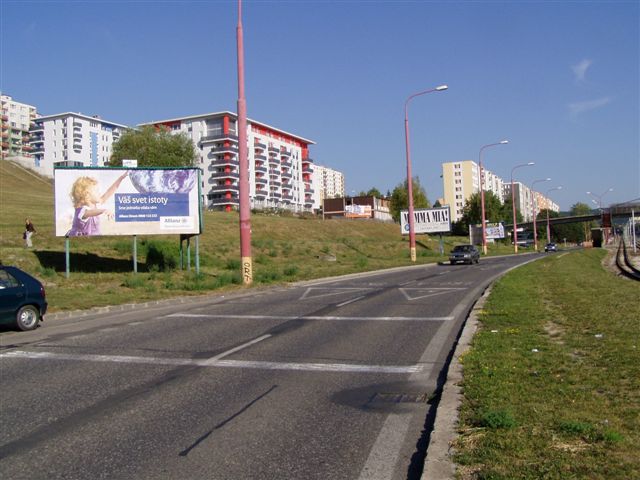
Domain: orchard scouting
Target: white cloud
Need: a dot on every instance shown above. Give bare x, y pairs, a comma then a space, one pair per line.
580, 70
582, 107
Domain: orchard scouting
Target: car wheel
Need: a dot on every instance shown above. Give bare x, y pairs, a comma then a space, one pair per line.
452, 262
27, 318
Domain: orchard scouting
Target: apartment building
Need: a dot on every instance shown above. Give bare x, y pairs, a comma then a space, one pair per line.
461, 180
72, 139
523, 198
281, 173
330, 182
16, 118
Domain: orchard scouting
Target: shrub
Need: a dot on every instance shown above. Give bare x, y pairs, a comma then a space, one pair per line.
497, 419
162, 256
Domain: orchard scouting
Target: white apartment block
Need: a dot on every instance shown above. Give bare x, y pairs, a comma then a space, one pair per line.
330, 182
461, 180
16, 119
72, 140
281, 173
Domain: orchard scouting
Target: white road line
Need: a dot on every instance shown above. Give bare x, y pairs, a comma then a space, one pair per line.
238, 348
382, 459
309, 317
328, 291
349, 301
310, 367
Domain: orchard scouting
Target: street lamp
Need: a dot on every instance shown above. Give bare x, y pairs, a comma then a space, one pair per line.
533, 208
549, 229
412, 232
484, 226
599, 197
513, 205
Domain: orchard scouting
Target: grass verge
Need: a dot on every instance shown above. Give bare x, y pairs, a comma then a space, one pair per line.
552, 380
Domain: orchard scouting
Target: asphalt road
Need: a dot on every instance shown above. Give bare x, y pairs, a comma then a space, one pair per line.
332, 379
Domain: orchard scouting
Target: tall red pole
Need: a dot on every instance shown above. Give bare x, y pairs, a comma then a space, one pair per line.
412, 232
245, 211
513, 205
534, 206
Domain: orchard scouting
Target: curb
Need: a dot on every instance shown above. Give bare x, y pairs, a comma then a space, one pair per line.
438, 464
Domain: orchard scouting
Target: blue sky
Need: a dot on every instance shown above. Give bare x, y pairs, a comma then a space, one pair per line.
559, 80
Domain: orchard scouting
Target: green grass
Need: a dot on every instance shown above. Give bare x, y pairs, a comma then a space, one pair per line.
552, 381
284, 248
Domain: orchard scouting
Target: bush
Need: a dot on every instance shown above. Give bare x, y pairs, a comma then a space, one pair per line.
162, 256
497, 419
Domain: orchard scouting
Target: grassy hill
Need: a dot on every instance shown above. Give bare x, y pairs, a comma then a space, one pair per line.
284, 248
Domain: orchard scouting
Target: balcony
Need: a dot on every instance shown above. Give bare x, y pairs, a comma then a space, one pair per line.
275, 183
274, 150
307, 169
260, 157
77, 125
260, 169
287, 174
39, 149
261, 193
274, 162
4, 118
36, 127
285, 153
286, 163
233, 149
259, 145
77, 135
218, 137
5, 126
274, 172
274, 194
307, 160
222, 162
223, 175
261, 180
309, 191
287, 197
223, 189
28, 148
220, 202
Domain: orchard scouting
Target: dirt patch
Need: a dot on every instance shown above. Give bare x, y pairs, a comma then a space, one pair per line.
555, 332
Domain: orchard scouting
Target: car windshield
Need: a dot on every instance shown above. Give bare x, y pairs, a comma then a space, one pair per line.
462, 248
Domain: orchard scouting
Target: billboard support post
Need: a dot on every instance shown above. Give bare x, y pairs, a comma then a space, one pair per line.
135, 254
66, 256
197, 254
188, 254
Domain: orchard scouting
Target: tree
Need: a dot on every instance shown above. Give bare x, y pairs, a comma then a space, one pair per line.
472, 210
154, 148
374, 192
400, 198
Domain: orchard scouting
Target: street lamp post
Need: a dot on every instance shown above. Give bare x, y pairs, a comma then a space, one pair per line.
533, 208
484, 226
548, 228
599, 197
513, 205
412, 232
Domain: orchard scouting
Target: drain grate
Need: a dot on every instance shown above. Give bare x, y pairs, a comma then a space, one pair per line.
400, 398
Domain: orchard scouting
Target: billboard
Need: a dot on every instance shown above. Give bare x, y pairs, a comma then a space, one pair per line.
126, 201
494, 230
428, 220
357, 211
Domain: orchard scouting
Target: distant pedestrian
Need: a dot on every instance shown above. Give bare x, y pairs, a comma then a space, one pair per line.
29, 230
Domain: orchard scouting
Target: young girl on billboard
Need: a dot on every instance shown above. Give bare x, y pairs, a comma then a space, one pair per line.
86, 199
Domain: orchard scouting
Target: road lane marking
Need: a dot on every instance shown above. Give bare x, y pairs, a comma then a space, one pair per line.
328, 291
238, 348
309, 317
350, 301
309, 367
425, 292
382, 459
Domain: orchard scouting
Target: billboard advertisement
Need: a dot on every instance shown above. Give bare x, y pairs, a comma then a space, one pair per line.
428, 220
357, 211
495, 230
126, 201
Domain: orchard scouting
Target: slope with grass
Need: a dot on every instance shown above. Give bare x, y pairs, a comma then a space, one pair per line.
284, 248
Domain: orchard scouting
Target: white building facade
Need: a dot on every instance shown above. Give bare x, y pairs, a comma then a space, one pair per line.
72, 139
281, 173
16, 119
330, 182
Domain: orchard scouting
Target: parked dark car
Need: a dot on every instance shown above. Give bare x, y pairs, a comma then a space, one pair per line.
23, 301
550, 247
464, 253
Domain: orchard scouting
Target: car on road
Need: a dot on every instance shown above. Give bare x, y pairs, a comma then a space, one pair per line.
550, 247
23, 301
464, 253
